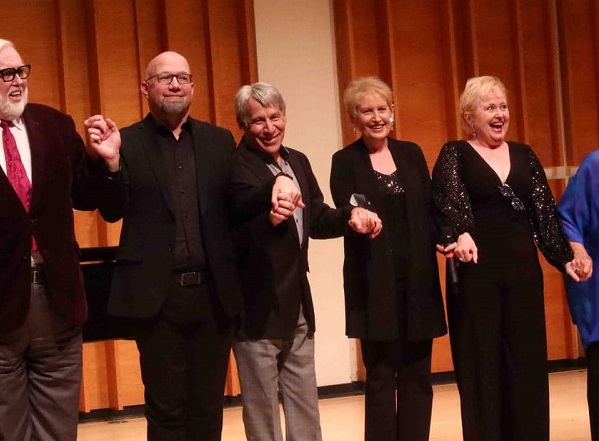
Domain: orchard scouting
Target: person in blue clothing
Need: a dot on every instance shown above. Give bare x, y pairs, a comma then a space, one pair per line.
579, 213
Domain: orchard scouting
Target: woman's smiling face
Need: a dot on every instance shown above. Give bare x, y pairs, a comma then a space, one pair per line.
490, 119
373, 116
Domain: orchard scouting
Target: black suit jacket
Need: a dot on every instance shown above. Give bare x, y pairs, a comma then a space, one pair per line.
140, 196
62, 179
367, 270
272, 265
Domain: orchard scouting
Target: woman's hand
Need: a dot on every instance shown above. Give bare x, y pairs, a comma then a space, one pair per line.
581, 267
466, 250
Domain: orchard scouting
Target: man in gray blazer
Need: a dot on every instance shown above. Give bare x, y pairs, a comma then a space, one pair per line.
275, 347
175, 275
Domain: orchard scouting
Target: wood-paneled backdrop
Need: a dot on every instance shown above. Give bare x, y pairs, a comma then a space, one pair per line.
88, 56
545, 51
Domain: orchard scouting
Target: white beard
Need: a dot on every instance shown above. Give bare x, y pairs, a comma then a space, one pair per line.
11, 111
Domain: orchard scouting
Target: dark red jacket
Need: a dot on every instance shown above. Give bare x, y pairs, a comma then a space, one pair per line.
61, 181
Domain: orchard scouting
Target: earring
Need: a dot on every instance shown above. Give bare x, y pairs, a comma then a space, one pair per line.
391, 121
354, 130
473, 131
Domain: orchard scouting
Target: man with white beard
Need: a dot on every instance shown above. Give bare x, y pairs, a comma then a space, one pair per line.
45, 173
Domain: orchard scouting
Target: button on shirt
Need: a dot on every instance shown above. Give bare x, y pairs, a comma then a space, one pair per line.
179, 162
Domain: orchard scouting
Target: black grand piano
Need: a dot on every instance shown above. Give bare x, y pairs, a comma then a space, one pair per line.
97, 264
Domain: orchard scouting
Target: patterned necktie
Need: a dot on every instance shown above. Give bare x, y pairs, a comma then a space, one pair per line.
15, 171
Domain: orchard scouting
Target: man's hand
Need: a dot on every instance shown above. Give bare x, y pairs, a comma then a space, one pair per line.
283, 210
284, 186
364, 221
103, 140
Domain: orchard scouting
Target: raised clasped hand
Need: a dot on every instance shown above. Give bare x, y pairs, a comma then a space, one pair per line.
103, 140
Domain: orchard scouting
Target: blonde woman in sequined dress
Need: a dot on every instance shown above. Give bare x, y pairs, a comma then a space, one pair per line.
495, 195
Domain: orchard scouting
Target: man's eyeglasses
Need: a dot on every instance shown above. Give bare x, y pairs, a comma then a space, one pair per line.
167, 78
9, 73
507, 191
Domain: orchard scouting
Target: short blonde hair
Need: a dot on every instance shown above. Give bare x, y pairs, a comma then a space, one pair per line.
358, 88
477, 88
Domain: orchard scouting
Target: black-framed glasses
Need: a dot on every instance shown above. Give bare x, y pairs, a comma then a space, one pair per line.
507, 192
10, 73
167, 78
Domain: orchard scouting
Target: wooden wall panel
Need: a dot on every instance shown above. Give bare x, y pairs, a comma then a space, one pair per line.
150, 36
357, 27
187, 32
116, 56
41, 51
545, 51
579, 60
418, 79
227, 54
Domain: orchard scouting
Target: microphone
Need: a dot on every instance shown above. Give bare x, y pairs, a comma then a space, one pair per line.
451, 266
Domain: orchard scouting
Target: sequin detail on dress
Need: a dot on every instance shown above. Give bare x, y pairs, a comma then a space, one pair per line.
389, 184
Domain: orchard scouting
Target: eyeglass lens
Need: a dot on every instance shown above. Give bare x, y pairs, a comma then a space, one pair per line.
10, 73
168, 78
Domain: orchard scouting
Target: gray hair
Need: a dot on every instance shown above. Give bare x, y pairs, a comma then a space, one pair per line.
266, 94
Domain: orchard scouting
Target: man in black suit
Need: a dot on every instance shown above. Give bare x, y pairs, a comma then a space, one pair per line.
44, 174
275, 347
175, 275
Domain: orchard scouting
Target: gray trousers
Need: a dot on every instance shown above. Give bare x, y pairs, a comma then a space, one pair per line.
40, 376
267, 367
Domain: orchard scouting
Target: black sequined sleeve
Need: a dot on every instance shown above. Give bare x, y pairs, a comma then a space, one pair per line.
449, 190
548, 233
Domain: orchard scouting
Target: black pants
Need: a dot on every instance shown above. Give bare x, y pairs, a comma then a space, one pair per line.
499, 349
399, 395
593, 388
184, 353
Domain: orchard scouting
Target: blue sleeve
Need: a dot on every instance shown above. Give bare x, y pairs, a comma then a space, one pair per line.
578, 208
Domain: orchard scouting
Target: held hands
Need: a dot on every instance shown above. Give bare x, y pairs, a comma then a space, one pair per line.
103, 140
464, 249
580, 268
285, 198
284, 185
364, 221
283, 209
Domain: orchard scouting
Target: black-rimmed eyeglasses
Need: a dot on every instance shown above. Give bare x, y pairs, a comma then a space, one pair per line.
167, 78
507, 191
10, 73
